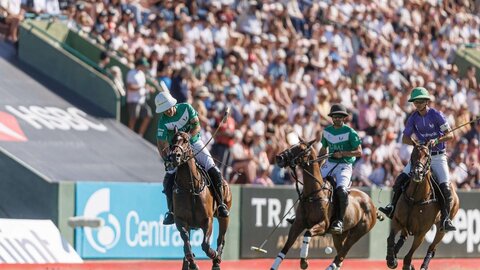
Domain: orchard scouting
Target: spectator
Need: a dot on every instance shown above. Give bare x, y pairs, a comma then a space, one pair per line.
137, 91
363, 168
11, 14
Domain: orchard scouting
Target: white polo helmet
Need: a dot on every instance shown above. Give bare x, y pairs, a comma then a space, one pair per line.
164, 101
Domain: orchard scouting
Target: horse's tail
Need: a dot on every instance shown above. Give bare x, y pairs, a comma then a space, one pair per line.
380, 216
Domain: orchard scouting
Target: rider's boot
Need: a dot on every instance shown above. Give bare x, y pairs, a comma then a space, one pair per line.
397, 191
168, 190
342, 202
217, 179
445, 205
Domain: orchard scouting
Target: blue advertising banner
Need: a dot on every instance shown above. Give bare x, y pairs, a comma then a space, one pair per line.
133, 217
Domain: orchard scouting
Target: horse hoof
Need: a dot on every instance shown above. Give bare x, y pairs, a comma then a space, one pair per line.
216, 267
303, 263
193, 266
392, 264
333, 266
408, 267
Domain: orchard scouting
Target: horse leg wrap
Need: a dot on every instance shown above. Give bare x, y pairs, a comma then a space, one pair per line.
278, 261
400, 243
306, 240
333, 266
211, 253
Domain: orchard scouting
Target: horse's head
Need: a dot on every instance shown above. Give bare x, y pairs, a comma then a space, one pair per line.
180, 150
295, 155
420, 162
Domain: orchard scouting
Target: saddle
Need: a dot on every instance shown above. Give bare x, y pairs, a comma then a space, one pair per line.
435, 196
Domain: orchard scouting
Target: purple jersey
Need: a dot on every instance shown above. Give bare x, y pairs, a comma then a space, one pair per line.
431, 126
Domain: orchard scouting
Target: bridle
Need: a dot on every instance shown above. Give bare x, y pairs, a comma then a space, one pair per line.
419, 170
292, 160
179, 154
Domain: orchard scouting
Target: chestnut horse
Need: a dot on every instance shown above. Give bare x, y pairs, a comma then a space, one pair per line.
416, 211
193, 202
315, 209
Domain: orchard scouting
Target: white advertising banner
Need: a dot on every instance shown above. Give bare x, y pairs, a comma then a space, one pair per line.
34, 241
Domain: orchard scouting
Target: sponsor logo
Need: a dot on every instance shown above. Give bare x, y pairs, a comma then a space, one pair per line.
10, 129
467, 233
130, 228
271, 211
107, 236
54, 118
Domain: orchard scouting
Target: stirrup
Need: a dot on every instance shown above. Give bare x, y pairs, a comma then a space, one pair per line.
223, 211
337, 227
290, 220
169, 219
387, 210
448, 226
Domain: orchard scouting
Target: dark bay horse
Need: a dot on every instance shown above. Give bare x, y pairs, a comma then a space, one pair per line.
315, 209
193, 202
416, 212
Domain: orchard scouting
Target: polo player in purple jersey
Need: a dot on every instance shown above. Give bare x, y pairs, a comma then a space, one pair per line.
429, 126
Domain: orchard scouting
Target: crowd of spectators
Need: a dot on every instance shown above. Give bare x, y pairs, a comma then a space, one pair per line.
279, 65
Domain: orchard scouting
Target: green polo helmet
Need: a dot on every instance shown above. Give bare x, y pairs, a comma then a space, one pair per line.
419, 93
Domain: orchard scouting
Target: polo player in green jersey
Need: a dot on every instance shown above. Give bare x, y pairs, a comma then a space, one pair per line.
184, 117
344, 144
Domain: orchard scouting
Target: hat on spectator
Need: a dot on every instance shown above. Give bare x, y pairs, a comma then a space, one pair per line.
163, 36
232, 91
202, 92
368, 140
235, 80
366, 152
164, 101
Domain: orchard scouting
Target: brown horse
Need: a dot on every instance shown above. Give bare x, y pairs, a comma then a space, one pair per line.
416, 211
315, 209
193, 202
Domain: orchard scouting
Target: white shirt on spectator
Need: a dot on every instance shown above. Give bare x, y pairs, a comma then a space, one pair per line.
137, 77
459, 173
362, 169
46, 6
13, 7
220, 35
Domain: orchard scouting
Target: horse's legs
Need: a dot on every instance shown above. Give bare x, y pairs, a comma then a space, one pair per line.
400, 242
431, 249
338, 242
307, 236
343, 243
407, 260
391, 255
207, 233
223, 225
295, 230
187, 248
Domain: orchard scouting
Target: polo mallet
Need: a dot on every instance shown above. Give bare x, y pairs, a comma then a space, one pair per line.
260, 248
464, 124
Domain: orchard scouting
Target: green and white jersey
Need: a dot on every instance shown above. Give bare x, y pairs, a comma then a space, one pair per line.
341, 139
182, 120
